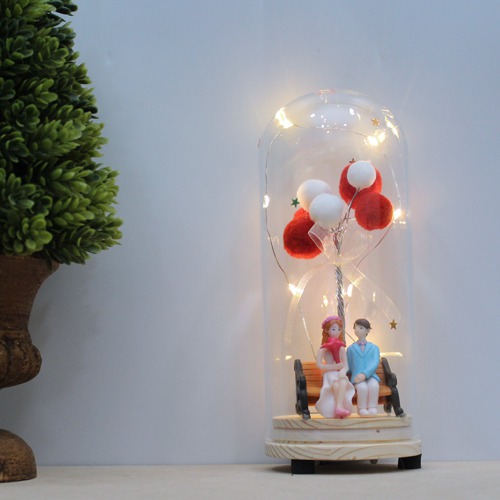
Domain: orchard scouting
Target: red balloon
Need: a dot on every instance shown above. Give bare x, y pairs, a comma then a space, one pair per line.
296, 239
347, 191
373, 211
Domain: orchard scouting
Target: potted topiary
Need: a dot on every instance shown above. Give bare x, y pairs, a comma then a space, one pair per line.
56, 200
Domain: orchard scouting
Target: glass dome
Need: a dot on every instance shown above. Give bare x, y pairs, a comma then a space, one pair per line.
336, 227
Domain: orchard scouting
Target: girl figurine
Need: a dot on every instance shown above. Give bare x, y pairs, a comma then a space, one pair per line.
335, 398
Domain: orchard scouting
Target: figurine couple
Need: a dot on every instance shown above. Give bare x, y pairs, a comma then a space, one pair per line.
361, 359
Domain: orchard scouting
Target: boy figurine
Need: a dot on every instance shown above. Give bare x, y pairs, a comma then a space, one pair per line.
363, 358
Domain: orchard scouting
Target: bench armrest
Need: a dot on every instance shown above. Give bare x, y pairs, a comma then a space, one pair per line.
301, 406
391, 381
390, 377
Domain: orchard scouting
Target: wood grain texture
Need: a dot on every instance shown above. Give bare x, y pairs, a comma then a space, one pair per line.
344, 451
352, 438
17, 462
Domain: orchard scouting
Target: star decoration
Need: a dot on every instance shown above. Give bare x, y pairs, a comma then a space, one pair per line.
375, 122
295, 202
393, 324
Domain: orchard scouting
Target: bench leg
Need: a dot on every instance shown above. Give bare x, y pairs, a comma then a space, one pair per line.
408, 463
303, 467
396, 405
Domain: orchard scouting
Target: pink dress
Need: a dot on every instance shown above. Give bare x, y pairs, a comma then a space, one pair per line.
326, 403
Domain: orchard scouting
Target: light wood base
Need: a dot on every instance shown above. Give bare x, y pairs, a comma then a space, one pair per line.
344, 451
353, 438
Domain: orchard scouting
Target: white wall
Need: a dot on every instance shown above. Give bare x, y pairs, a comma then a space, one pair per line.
153, 351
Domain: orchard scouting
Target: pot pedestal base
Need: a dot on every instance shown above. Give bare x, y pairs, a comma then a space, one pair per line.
17, 461
20, 361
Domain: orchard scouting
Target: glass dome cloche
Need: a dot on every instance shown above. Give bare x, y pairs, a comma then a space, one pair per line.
337, 283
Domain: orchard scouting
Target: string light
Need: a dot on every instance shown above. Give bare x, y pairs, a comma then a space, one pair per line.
398, 216
296, 291
282, 119
377, 138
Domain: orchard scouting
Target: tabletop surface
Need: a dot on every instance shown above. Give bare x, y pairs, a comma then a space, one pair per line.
436, 480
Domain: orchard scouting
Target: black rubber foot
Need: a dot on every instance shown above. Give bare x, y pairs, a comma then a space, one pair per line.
303, 467
410, 462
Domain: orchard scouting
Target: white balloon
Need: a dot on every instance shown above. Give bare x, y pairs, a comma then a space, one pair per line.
326, 209
309, 189
361, 174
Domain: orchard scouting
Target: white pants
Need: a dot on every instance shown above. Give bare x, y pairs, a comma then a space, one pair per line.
367, 392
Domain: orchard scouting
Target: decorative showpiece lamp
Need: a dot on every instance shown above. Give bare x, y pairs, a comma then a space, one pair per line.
337, 283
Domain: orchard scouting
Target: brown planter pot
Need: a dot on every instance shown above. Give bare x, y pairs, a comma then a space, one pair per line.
20, 360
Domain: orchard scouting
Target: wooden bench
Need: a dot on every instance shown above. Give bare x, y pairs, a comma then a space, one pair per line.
309, 380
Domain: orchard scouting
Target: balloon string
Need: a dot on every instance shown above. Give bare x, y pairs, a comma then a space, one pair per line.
338, 238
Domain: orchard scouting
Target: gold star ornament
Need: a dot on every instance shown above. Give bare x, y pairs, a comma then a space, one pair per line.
375, 122
393, 324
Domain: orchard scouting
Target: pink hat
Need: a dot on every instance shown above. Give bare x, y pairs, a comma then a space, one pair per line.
331, 318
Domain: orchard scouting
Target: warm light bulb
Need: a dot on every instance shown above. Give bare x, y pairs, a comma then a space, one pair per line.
296, 291
399, 216
378, 138
282, 119
265, 203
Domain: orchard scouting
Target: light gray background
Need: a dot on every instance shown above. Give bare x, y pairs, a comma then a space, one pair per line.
153, 351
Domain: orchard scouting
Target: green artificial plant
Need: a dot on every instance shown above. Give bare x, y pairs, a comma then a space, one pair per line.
56, 201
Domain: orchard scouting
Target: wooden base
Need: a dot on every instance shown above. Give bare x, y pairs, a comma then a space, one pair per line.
352, 438
17, 462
